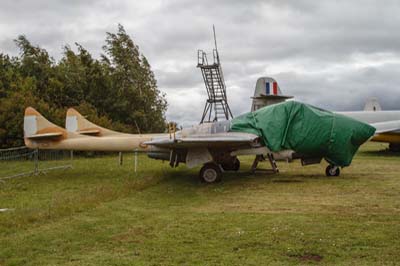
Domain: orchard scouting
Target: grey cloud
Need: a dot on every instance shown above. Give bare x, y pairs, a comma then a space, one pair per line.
348, 91
310, 47
189, 76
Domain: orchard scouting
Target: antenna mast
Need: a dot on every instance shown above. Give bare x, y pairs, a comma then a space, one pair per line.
215, 38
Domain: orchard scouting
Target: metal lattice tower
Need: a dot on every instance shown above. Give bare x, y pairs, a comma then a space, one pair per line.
216, 107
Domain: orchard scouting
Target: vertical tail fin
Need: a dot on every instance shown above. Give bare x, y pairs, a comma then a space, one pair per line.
36, 127
75, 122
372, 104
267, 92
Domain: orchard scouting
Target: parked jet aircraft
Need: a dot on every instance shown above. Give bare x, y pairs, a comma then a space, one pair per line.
213, 145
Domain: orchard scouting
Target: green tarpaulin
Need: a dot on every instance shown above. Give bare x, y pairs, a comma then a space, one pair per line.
306, 130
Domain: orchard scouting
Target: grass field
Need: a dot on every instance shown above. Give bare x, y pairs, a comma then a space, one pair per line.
100, 213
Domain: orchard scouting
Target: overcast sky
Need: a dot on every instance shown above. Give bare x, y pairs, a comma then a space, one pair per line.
333, 54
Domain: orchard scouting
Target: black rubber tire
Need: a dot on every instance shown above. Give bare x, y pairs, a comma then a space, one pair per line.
328, 171
210, 173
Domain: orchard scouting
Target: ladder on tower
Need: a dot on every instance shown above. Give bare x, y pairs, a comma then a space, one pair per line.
216, 107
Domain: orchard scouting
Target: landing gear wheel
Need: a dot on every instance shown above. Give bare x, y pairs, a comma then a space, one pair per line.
210, 173
332, 170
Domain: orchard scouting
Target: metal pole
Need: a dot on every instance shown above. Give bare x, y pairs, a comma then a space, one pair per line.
215, 40
135, 160
71, 155
36, 159
120, 158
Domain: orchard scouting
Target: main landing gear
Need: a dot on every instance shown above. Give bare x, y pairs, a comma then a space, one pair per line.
210, 173
332, 170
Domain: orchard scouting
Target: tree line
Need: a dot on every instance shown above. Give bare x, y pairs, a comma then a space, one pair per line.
117, 90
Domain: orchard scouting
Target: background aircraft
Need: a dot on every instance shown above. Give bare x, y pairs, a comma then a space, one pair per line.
387, 123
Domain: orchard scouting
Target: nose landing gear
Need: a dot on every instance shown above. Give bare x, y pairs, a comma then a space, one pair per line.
332, 170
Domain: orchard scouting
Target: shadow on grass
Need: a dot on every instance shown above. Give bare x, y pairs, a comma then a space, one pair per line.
380, 153
185, 178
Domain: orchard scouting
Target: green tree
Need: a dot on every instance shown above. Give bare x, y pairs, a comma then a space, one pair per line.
117, 91
133, 81
35, 62
9, 73
12, 115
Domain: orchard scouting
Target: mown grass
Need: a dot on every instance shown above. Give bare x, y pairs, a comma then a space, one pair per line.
100, 213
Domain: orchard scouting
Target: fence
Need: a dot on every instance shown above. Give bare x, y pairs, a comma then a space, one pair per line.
21, 161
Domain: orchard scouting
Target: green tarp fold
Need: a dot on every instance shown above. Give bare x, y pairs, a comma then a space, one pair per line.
307, 130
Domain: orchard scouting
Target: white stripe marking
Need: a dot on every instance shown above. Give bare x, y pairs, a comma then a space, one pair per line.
71, 124
30, 125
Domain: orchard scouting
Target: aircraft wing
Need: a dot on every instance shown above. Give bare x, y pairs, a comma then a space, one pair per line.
389, 126
227, 139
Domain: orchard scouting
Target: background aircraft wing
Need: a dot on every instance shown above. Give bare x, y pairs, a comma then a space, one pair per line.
228, 139
389, 126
